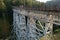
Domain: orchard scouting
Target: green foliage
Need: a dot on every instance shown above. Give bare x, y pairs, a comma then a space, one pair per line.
2, 6
15, 3
39, 24
5, 17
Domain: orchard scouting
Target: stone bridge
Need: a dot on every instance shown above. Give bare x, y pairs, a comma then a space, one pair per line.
24, 23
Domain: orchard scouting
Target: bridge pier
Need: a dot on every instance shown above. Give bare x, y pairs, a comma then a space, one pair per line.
49, 27
19, 27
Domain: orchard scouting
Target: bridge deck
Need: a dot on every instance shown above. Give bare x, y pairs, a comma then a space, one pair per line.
37, 15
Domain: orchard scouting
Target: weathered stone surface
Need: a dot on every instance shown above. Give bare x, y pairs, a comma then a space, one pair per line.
24, 28
19, 26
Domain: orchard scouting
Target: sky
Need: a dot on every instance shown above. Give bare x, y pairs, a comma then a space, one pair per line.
43, 0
